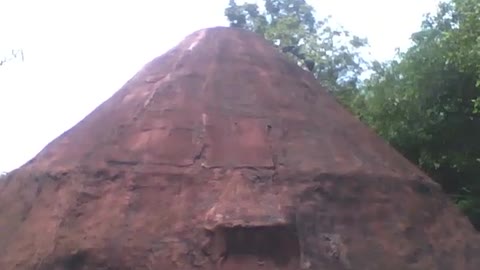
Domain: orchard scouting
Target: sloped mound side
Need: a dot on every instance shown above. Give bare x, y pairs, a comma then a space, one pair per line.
222, 154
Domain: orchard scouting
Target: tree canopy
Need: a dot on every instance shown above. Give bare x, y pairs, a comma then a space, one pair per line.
293, 27
425, 102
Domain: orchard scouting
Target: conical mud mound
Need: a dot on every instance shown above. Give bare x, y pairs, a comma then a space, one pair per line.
222, 154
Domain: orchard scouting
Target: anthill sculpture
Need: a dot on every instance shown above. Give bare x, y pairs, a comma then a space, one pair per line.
223, 154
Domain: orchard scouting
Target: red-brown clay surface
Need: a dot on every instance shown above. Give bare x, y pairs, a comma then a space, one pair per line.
222, 154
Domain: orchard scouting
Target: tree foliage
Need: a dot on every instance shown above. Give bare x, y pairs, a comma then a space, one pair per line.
294, 24
426, 103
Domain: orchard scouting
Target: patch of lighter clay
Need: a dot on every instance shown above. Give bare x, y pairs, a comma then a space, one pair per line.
204, 120
155, 89
199, 37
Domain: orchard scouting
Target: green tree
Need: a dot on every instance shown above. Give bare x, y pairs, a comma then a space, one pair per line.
293, 27
464, 42
424, 102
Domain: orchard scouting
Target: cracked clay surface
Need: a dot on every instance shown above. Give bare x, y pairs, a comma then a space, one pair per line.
222, 154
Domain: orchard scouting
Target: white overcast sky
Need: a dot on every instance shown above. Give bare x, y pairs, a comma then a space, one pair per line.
78, 53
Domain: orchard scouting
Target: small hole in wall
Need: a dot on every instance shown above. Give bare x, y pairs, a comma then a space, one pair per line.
269, 128
75, 261
257, 247
422, 188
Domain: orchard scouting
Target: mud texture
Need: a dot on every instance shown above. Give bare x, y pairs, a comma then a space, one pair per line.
223, 154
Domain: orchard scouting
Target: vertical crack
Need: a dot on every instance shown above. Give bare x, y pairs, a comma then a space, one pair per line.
272, 152
200, 156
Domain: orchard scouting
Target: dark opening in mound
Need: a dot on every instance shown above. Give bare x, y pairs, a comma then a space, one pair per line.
75, 261
256, 247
